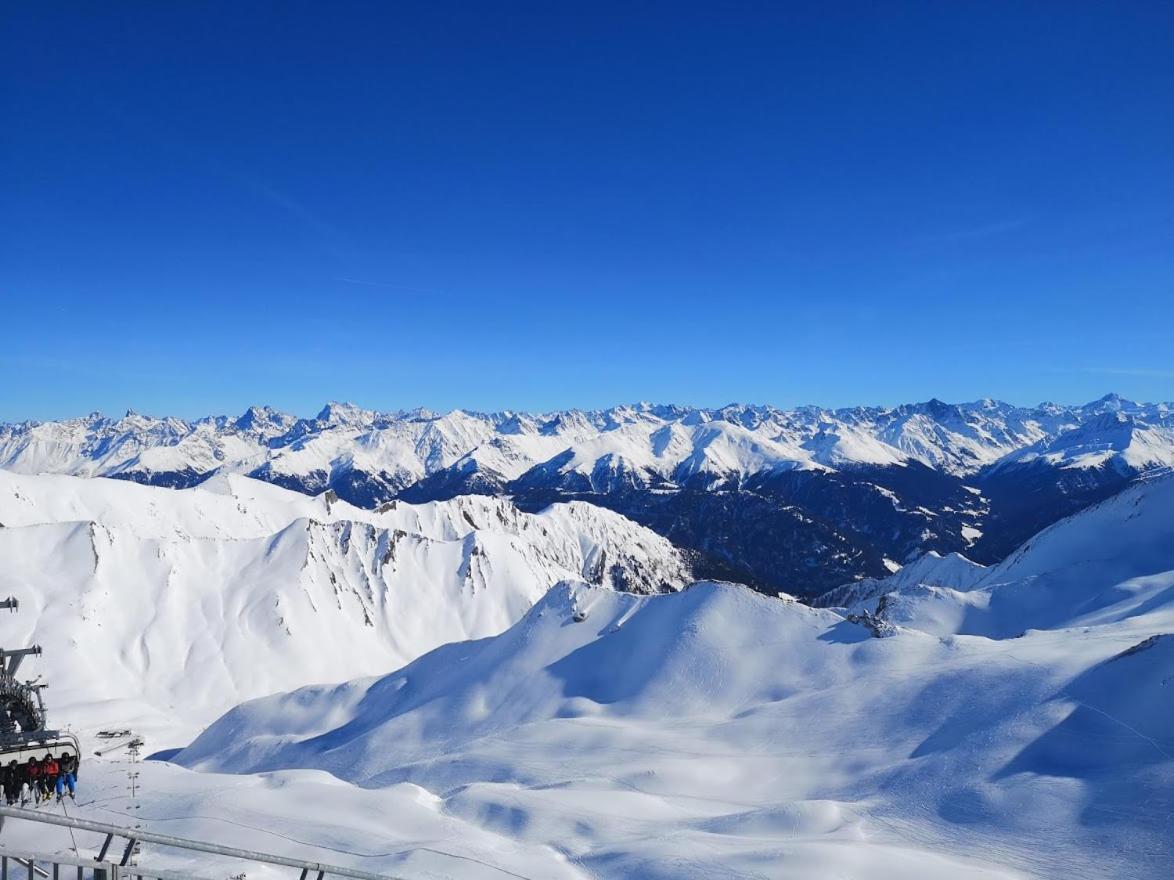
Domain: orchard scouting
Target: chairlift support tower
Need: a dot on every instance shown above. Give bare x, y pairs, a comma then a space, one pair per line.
24, 728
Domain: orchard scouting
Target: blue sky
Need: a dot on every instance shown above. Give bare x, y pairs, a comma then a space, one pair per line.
541, 205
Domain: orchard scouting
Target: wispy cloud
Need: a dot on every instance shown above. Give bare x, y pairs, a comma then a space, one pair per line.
331, 238
279, 199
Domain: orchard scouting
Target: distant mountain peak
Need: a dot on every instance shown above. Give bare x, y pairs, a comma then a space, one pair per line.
336, 412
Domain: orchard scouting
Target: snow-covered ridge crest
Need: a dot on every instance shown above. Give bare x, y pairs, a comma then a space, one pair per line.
178, 604
953, 570
1111, 438
655, 444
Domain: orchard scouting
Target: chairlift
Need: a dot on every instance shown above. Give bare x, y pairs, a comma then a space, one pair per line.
37, 744
24, 732
132, 743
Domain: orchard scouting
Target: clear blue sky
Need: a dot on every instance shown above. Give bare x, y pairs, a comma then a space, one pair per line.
540, 205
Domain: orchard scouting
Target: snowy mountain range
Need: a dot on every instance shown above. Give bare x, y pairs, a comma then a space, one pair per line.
1016, 714
647, 445
796, 500
489, 684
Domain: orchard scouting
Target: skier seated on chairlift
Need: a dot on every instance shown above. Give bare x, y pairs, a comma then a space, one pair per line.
67, 776
32, 776
13, 777
50, 770
6, 782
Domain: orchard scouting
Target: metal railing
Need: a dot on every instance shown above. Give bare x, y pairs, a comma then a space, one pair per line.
103, 868
16, 865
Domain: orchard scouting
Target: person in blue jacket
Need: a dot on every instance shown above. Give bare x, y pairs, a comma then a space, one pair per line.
66, 775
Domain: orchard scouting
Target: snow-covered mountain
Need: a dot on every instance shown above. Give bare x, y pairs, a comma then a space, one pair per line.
164, 607
1013, 721
1116, 439
1034, 486
762, 737
953, 570
1111, 562
795, 500
655, 444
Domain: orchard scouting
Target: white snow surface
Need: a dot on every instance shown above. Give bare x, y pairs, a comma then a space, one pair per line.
162, 608
1016, 723
720, 732
952, 570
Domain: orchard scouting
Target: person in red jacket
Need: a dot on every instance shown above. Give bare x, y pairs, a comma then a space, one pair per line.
49, 771
32, 776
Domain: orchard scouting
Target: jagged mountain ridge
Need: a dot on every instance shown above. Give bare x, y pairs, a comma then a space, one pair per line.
797, 500
173, 605
674, 445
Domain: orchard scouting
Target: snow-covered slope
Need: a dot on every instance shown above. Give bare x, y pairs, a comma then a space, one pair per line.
953, 570
1113, 562
163, 607
720, 731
